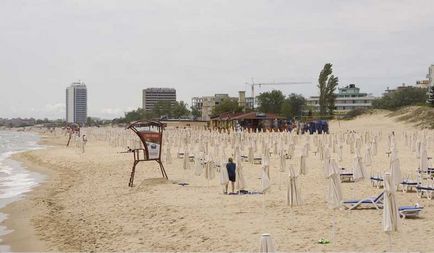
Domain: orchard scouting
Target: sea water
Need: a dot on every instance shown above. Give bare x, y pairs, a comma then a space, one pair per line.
15, 180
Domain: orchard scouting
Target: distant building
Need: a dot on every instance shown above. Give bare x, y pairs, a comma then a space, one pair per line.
348, 98
151, 96
430, 75
76, 103
208, 103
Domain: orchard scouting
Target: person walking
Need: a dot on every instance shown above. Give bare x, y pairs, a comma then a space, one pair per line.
231, 167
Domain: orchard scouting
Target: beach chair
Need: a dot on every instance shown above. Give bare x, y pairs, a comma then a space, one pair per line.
377, 181
376, 202
425, 190
257, 160
408, 185
346, 176
409, 211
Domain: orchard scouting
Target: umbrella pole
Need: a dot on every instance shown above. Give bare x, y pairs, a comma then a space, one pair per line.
389, 235
263, 211
334, 226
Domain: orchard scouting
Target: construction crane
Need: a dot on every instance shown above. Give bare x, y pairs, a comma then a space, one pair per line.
253, 84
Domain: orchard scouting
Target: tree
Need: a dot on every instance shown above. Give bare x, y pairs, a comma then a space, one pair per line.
179, 110
134, 115
327, 84
227, 105
163, 108
195, 112
270, 102
332, 83
293, 106
402, 97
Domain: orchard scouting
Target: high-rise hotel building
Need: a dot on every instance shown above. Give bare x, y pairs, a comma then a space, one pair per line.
76, 103
151, 96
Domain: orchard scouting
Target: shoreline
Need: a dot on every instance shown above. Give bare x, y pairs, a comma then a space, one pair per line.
23, 235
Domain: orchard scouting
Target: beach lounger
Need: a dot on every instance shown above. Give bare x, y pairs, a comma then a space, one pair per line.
346, 176
408, 185
244, 158
409, 211
244, 192
180, 155
425, 190
257, 160
377, 181
376, 202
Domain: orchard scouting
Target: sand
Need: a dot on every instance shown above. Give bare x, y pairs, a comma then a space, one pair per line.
86, 205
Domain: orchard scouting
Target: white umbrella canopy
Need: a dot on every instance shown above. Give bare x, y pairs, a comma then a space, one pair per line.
302, 165
293, 191
358, 168
374, 146
240, 180
265, 180
423, 161
368, 155
334, 193
282, 161
198, 169
395, 168
224, 176
390, 209
267, 245
186, 164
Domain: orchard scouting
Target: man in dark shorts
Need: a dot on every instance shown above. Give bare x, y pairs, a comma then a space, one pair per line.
231, 167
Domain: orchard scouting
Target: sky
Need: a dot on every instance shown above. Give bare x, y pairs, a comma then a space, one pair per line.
202, 47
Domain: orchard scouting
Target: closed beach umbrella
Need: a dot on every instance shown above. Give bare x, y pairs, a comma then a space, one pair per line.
241, 181
265, 180
266, 244
186, 164
334, 193
224, 177
302, 165
198, 169
251, 154
282, 161
293, 191
168, 154
390, 208
358, 169
395, 169
423, 161
368, 156
374, 146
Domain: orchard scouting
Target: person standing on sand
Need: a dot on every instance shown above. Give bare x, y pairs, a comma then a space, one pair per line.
231, 167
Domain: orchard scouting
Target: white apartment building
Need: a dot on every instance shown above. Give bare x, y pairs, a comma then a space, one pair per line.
348, 98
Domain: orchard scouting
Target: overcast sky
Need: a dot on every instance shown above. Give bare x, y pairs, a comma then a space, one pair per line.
202, 47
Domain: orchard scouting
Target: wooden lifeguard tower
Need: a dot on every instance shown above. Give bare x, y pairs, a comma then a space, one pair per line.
151, 136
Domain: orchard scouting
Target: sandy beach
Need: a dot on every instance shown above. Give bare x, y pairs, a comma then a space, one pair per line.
85, 204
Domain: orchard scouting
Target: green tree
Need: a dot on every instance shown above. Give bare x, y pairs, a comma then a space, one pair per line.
135, 115
196, 113
327, 84
227, 105
402, 97
163, 108
293, 106
270, 102
179, 110
332, 83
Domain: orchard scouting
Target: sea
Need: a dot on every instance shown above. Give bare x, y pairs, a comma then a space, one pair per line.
15, 179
